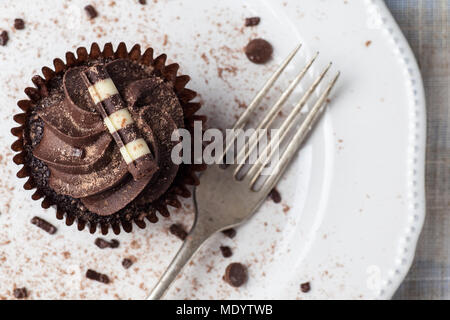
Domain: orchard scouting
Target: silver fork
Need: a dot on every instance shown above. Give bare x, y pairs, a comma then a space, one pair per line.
223, 201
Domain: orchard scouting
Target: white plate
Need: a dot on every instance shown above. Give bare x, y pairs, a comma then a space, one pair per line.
353, 201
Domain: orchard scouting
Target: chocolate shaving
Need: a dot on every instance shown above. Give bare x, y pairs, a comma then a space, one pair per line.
236, 274
252, 21
91, 11
19, 24
230, 233
94, 275
275, 195
4, 38
127, 263
114, 243
44, 225
20, 293
226, 251
143, 2
305, 287
102, 243
178, 231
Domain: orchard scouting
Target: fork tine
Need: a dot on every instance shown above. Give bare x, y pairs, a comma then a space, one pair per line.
271, 115
310, 120
240, 123
256, 100
257, 168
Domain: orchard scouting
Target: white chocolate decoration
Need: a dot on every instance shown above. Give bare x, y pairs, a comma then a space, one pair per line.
119, 119
109, 125
134, 150
126, 156
102, 90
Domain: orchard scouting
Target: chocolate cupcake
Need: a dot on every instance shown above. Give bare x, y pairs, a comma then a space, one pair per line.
95, 137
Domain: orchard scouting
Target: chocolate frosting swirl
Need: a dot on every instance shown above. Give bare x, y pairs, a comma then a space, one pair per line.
84, 161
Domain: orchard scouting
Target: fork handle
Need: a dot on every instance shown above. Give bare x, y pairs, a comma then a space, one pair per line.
193, 242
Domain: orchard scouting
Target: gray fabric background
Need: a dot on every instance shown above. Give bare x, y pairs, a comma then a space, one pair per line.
425, 24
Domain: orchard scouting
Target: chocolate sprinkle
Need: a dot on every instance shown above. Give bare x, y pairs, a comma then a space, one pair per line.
114, 243
305, 287
4, 38
127, 263
20, 293
275, 195
94, 275
236, 274
143, 2
91, 11
102, 243
178, 231
252, 21
19, 24
230, 233
44, 225
226, 251
259, 51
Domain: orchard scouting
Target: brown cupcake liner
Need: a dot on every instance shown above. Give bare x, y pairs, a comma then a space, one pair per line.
186, 175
